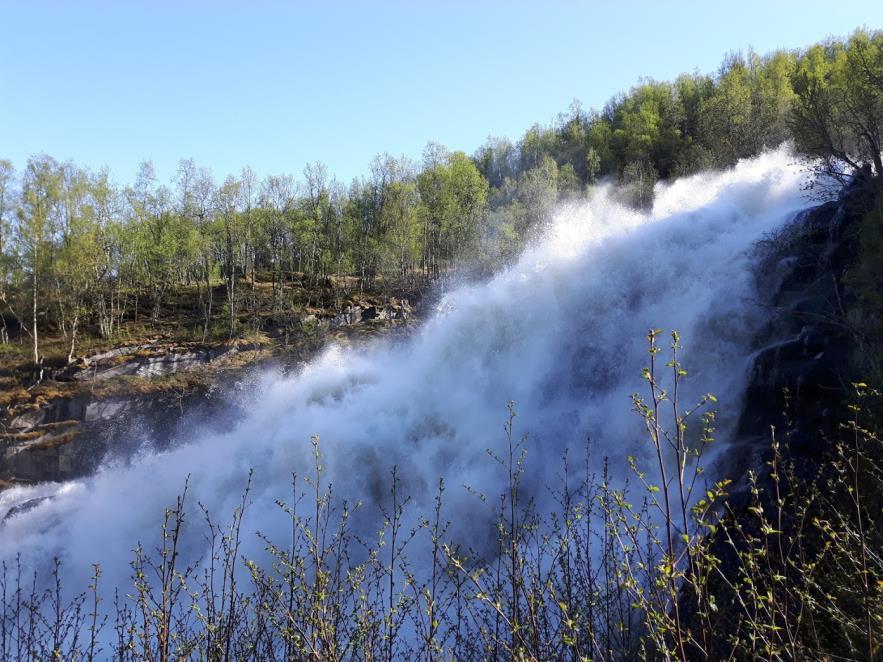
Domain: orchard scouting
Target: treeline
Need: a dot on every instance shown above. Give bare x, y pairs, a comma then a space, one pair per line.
78, 251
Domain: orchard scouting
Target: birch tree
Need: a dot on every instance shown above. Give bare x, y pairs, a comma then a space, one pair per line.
37, 222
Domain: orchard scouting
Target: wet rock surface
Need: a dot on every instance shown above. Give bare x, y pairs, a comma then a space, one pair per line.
22, 507
148, 362
805, 362
801, 375
364, 311
69, 437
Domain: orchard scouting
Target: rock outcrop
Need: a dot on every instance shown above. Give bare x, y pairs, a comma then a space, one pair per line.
359, 312
806, 361
147, 360
70, 436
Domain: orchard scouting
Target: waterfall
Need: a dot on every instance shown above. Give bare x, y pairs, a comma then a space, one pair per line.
561, 332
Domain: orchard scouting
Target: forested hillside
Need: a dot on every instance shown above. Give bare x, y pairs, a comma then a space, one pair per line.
367, 505
83, 255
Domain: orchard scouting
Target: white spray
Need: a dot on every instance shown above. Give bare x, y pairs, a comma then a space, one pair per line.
562, 333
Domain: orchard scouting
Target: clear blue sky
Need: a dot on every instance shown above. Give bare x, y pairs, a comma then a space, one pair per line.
278, 84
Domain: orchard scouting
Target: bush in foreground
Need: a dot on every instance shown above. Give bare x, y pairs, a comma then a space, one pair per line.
669, 567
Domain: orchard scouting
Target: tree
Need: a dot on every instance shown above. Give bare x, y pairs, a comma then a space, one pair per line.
38, 220
838, 111
248, 191
228, 199
195, 209
537, 191
276, 202
154, 237
400, 219
771, 97
593, 165
692, 92
725, 117
7, 195
536, 143
639, 178
77, 253
496, 160
600, 139
569, 185
647, 127
114, 252
317, 217
435, 194
469, 192
454, 194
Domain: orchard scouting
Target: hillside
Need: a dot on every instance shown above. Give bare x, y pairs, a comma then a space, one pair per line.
607, 393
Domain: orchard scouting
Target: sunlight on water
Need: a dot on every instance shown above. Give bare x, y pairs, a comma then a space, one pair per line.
561, 332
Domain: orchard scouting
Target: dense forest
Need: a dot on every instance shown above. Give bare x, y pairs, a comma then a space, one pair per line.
82, 255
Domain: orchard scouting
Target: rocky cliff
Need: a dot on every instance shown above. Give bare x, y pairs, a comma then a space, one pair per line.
110, 403
815, 344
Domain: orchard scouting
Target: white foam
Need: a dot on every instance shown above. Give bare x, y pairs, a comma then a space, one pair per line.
561, 332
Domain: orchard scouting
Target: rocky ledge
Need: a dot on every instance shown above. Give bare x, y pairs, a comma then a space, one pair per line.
115, 400
805, 363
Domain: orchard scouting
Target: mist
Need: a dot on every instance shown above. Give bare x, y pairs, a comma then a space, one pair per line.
561, 332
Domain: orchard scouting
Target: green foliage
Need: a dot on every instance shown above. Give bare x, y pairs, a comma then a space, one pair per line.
838, 111
78, 252
671, 568
638, 178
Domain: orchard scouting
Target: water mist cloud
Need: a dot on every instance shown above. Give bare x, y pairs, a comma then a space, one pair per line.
561, 332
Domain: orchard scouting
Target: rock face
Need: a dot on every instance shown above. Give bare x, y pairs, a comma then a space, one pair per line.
143, 361
70, 437
808, 350
808, 347
363, 311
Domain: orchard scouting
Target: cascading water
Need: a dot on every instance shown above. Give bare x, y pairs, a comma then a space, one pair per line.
562, 332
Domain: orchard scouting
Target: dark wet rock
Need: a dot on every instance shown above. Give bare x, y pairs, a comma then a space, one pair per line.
23, 507
809, 366
802, 369
346, 317
361, 312
804, 364
70, 437
29, 419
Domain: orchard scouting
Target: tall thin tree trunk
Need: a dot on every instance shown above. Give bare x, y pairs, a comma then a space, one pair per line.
208, 307
231, 282
34, 311
74, 324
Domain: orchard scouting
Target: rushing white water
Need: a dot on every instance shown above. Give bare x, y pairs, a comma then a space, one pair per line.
562, 333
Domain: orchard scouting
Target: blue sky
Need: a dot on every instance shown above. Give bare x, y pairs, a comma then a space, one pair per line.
278, 84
